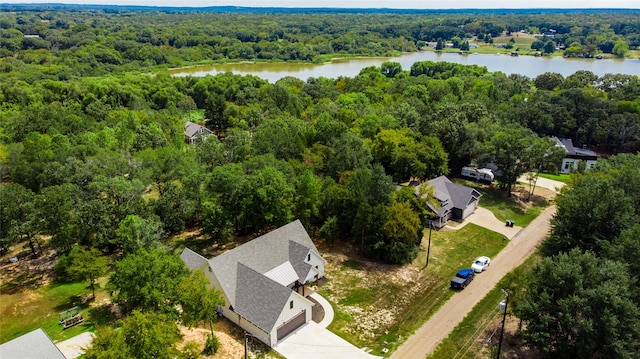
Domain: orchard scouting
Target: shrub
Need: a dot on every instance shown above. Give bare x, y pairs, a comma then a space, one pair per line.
211, 345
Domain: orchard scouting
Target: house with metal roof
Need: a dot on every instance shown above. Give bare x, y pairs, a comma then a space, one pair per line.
35, 344
574, 155
456, 201
194, 133
264, 281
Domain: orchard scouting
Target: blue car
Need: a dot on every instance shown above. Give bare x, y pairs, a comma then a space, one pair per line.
462, 278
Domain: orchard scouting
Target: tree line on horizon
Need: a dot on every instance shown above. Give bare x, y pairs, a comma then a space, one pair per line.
77, 42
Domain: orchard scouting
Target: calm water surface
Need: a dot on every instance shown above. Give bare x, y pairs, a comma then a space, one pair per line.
525, 65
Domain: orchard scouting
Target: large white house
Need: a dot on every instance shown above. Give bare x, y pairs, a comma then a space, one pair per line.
574, 155
263, 281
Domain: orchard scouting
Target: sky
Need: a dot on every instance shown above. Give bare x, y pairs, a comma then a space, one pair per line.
395, 4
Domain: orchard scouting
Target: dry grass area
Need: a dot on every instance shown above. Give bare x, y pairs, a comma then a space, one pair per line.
370, 295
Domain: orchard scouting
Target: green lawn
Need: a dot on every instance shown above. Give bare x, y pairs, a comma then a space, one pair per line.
23, 309
376, 310
561, 177
503, 207
467, 338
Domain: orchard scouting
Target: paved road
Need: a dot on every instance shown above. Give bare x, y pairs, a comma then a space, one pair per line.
427, 337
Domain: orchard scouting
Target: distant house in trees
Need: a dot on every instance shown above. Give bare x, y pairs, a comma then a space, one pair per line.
456, 201
35, 344
574, 155
263, 281
194, 133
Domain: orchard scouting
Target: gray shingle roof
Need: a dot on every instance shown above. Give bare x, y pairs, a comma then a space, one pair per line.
192, 259
572, 151
452, 195
240, 272
297, 254
35, 344
262, 254
258, 298
192, 129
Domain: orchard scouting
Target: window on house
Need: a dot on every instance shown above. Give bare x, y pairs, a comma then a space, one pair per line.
291, 305
309, 257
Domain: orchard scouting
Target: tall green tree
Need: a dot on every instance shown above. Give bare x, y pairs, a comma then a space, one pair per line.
135, 232
579, 306
147, 280
143, 335
402, 231
18, 217
508, 150
584, 219
199, 300
87, 264
621, 48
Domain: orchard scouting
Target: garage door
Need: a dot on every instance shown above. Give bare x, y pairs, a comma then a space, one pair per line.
292, 325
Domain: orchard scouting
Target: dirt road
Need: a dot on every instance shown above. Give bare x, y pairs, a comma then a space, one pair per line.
427, 337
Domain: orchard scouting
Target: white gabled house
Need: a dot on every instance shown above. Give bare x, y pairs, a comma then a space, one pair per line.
574, 155
456, 201
263, 281
194, 133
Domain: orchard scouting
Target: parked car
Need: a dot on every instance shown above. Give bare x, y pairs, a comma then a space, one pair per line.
480, 264
462, 278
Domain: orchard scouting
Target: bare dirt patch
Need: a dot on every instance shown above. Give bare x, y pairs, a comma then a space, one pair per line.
230, 338
27, 271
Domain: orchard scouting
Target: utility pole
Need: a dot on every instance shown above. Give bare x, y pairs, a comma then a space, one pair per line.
504, 318
428, 246
246, 342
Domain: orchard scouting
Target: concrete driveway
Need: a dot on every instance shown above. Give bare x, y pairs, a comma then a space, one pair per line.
312, 341
485, 218
315, 341
549, 184
74, 347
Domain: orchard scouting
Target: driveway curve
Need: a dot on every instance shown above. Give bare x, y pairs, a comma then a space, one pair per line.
485, 218
438, 327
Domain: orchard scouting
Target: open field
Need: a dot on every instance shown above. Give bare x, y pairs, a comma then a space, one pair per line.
379, 305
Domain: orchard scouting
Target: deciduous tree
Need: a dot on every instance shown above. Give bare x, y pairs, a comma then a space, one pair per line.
87, 264
577, 305
147, 280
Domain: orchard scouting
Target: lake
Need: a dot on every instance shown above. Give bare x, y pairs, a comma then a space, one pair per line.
530, 66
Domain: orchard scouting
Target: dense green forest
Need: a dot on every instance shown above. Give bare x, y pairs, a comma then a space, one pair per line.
75, 42
84, 153
92, 147
582, 299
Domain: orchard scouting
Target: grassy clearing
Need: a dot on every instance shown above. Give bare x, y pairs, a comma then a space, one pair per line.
26, 309
503, 208
470, 336
378, 306
560, 177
